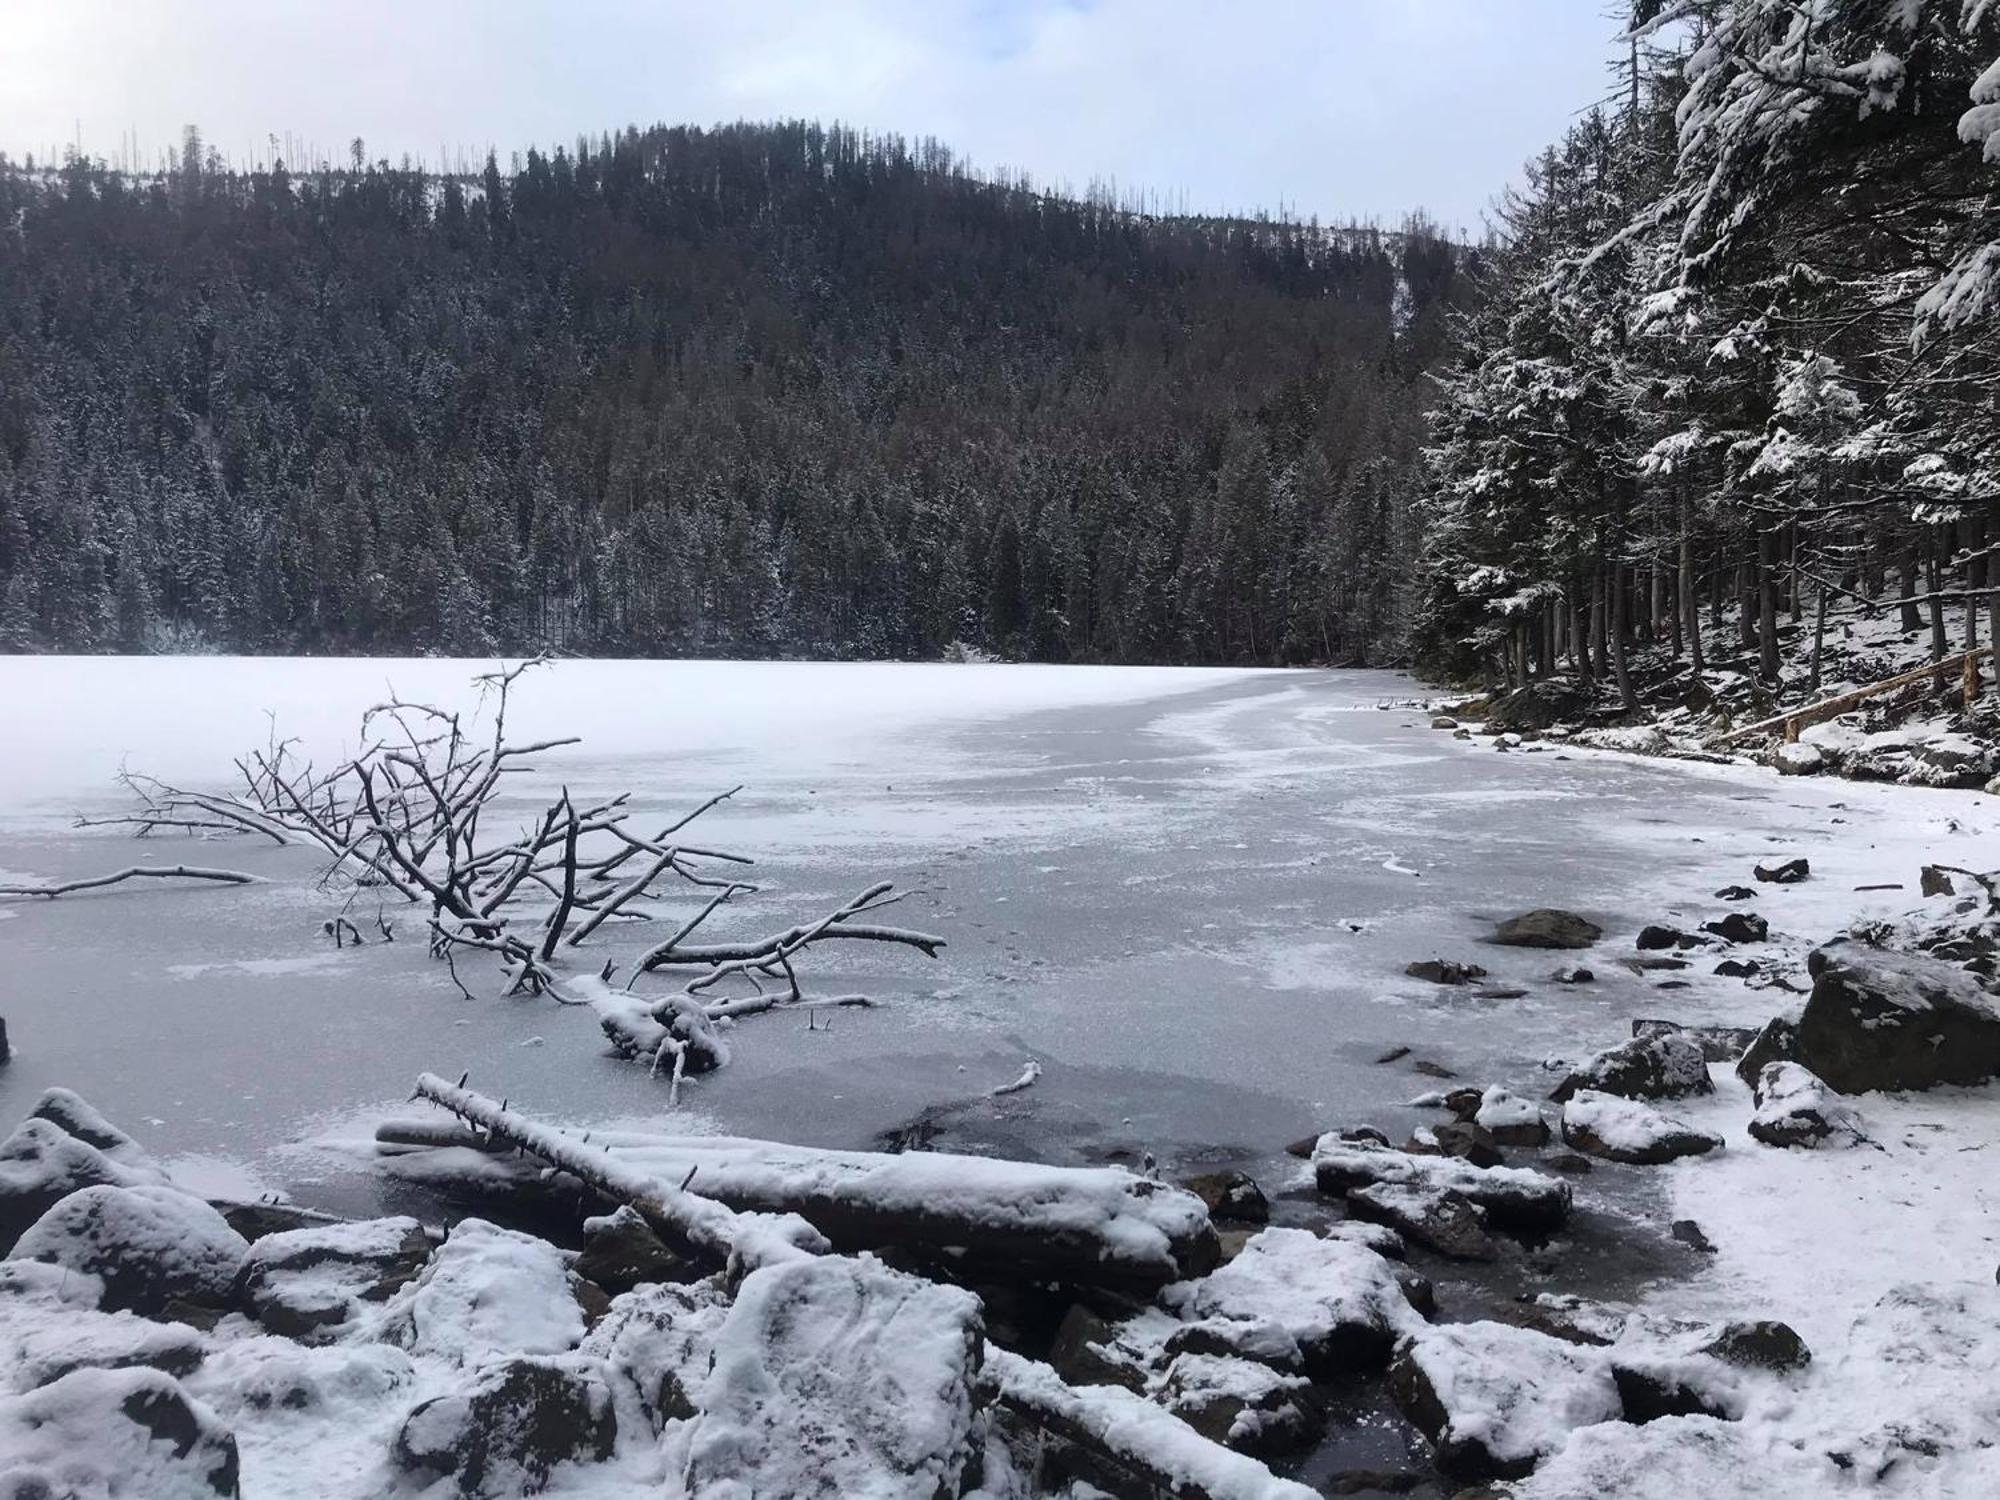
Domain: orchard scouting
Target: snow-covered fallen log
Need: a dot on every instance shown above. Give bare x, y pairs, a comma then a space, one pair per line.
743, 1239
1154, 1448
1089, 1224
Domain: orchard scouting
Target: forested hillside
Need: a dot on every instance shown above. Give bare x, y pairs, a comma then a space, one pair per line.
757, 390
1741, 359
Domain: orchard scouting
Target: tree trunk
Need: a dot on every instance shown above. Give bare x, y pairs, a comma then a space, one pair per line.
1627, 699
1819, 638
1690, 605
1767, 606
1913, 619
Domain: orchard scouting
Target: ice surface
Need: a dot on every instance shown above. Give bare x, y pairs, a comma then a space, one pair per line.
1167, 888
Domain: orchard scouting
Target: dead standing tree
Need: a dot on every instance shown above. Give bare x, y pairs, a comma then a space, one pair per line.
405, 818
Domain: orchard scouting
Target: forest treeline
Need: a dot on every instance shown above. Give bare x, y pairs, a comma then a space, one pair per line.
763, 389
1739, 359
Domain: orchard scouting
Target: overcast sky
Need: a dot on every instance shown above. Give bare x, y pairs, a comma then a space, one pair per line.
1339, 108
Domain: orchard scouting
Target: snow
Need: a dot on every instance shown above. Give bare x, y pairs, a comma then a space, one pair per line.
1883, 1258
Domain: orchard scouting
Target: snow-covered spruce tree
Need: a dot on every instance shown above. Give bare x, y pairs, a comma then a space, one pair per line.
1773, 328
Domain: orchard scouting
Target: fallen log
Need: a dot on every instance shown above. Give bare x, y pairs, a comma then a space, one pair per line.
743, 1241
1792, 721
1092, 1225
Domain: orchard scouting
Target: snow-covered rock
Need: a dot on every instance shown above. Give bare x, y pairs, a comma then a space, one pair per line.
1664, 1066
151, 1246
488, 1293
1494, 1399
511, 1427
34, 1352
1510, 1119
262, 1377
1338, 1305
114, 1435
1232, 1196
1440, 1219
620, 1252
1513, 1198
837, 1377
1794, 1108
1239, 1403
307, 1282
40, 1165
1627, 1131
1799, 759
659, 1338
1883, 1020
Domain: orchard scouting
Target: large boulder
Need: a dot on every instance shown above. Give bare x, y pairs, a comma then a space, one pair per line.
507, 1432
131, 1434
151, 1247
1547, 927
305, 1283
40, 1165
1536, 707
1666, 1065
487, 1293
1494, 1400
1338, 1304
836, 1376
1775, 1041
1882, 1020
1625, 1130
1794, 1108
1513, 1198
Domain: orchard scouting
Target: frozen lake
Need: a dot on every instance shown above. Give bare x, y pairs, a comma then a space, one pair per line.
1189, 894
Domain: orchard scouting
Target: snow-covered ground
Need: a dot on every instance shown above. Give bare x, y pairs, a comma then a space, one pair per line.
1189, 896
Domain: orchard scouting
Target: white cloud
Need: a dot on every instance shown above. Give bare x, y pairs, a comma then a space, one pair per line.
1331, 107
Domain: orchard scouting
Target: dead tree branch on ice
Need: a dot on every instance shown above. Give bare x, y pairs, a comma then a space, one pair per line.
133, 872
406, 818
